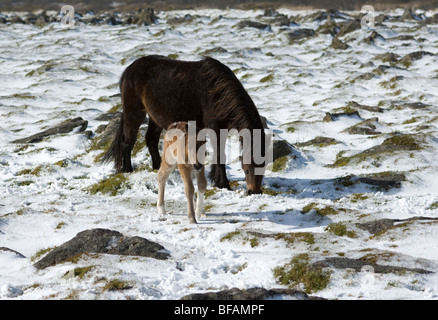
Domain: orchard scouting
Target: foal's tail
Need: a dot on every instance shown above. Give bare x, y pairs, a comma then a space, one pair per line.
114, 152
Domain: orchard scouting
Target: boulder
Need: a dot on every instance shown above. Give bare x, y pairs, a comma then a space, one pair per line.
103, 241
372, 37
361, 265
338, 44
253, 24
281, 148
146, 17
251, 294
413, 56
299, 34
348, 27
64, 127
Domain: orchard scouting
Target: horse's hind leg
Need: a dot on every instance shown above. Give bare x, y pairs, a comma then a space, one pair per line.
133, 116
152, 139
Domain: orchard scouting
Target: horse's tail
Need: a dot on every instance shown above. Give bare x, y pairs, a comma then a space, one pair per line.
115, 151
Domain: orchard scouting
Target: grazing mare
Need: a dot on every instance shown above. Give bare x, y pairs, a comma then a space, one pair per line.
176, 152
169, 91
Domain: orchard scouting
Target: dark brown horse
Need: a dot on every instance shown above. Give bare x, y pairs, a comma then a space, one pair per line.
169, 91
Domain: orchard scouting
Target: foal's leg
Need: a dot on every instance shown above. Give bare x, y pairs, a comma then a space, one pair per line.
202, 186
152, 140
186, 174
163, 175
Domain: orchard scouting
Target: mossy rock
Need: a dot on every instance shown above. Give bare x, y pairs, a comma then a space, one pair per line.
300, 271
396, 143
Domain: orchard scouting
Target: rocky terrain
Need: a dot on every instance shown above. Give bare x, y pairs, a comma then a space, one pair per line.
350, 204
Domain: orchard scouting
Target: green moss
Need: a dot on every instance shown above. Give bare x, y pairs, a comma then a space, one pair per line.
290, 129
290, 238
299, 271
270, 192
80, 272
267, 78
254, 242
327, 210
40, 253
356, 197
280, 164
111, 185
115, 285
433, 206
406, 141
398, 142
340, 229
229, 236
210, 192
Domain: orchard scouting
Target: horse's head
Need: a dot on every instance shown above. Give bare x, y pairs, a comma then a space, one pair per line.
254, 177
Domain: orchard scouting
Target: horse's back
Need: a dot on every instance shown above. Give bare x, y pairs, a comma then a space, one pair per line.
170, 90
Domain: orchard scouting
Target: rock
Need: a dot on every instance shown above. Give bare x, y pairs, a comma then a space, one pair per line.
102, 241
281, 148
63, 127
365, 127
318, 141
9, 291
333, 116
365, 76
18, 254
299, 34
388, 57
180, 20
403, 37
348, 27
413, 56
107, 131
402, 142
384, 179
338, 44
354, 104
381, 225
329, 27
146, 16
251, 294
359, 265
411, 105
409, 15
253, 24
372, 37
215, 50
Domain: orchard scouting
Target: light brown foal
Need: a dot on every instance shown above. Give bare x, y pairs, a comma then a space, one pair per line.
177, 152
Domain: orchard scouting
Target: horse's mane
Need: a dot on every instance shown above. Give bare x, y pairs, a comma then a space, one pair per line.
231, 101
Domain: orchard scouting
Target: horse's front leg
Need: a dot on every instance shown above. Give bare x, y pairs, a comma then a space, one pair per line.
218, 174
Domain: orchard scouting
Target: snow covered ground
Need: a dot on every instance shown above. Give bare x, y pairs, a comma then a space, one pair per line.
53, 73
